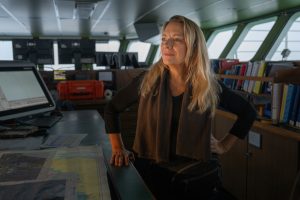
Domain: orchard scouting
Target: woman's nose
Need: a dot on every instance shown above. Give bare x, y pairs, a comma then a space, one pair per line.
169, 43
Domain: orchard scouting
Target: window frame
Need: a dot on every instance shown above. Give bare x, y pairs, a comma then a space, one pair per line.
242, 36
12, 50
216, 32
107, 42
148, 53
282, 34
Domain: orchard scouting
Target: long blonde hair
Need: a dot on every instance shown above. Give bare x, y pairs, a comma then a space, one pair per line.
199, 74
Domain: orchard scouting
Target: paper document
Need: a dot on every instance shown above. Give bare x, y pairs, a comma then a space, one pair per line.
63, 140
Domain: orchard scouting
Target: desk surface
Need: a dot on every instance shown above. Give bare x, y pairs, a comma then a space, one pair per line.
126, 181
127, 184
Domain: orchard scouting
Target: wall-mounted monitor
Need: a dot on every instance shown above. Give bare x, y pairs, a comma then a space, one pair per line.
108, 59
71, 51
22, 91
115, 60
37, 51
130, 59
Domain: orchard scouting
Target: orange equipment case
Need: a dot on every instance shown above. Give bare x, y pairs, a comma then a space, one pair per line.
80, 89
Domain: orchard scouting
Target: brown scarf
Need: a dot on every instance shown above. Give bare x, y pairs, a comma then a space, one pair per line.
152, 139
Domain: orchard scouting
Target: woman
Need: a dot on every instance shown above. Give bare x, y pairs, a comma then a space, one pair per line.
177, 98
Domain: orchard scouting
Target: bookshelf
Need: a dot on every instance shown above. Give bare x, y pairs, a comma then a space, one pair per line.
265, 127
288, 76
267, 169
281, 76
253, 78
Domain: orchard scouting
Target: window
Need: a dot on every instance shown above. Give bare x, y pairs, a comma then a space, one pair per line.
6, 50
217, 42
289, 39
141, 47
110, 46
249, 45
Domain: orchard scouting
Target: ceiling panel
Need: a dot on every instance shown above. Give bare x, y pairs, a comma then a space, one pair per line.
30, 8
10, 27
131, 11
103, 18
48, 27
65, 9
70, 27
106, 27
3, 14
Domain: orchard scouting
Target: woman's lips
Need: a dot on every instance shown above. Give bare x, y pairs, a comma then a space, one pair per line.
168, 54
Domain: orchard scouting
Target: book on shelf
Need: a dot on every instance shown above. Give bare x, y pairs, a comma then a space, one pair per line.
276, 102
226, 64
268, 110
291, 93
215, 65
254, 72
236, 71
293, 117
260, 73
298, 117
248, 73
229, 81
267, 86
283, 102
242, 73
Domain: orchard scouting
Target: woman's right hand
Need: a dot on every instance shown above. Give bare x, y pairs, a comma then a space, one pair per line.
121, 157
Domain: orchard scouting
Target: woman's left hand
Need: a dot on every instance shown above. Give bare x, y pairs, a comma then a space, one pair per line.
224, 145
217, 146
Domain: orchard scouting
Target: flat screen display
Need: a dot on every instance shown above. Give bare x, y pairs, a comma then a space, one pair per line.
37, 51
105, 76
22, 91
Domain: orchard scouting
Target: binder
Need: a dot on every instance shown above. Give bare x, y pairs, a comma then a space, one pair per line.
293, 117
289, 102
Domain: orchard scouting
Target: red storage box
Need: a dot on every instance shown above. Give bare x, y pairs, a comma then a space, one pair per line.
77, 90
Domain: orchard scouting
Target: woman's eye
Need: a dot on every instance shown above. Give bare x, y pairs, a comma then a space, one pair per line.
178, 39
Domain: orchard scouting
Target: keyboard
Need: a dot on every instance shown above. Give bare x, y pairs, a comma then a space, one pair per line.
44, 121
18, 131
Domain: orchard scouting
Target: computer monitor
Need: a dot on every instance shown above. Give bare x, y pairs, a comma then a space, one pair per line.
130, 59
37, 51
76, 52
110, 59
116, 60
103, 58
22, 91
108, 79
105, 75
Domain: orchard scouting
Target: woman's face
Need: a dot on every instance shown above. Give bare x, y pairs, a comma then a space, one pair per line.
173, 47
